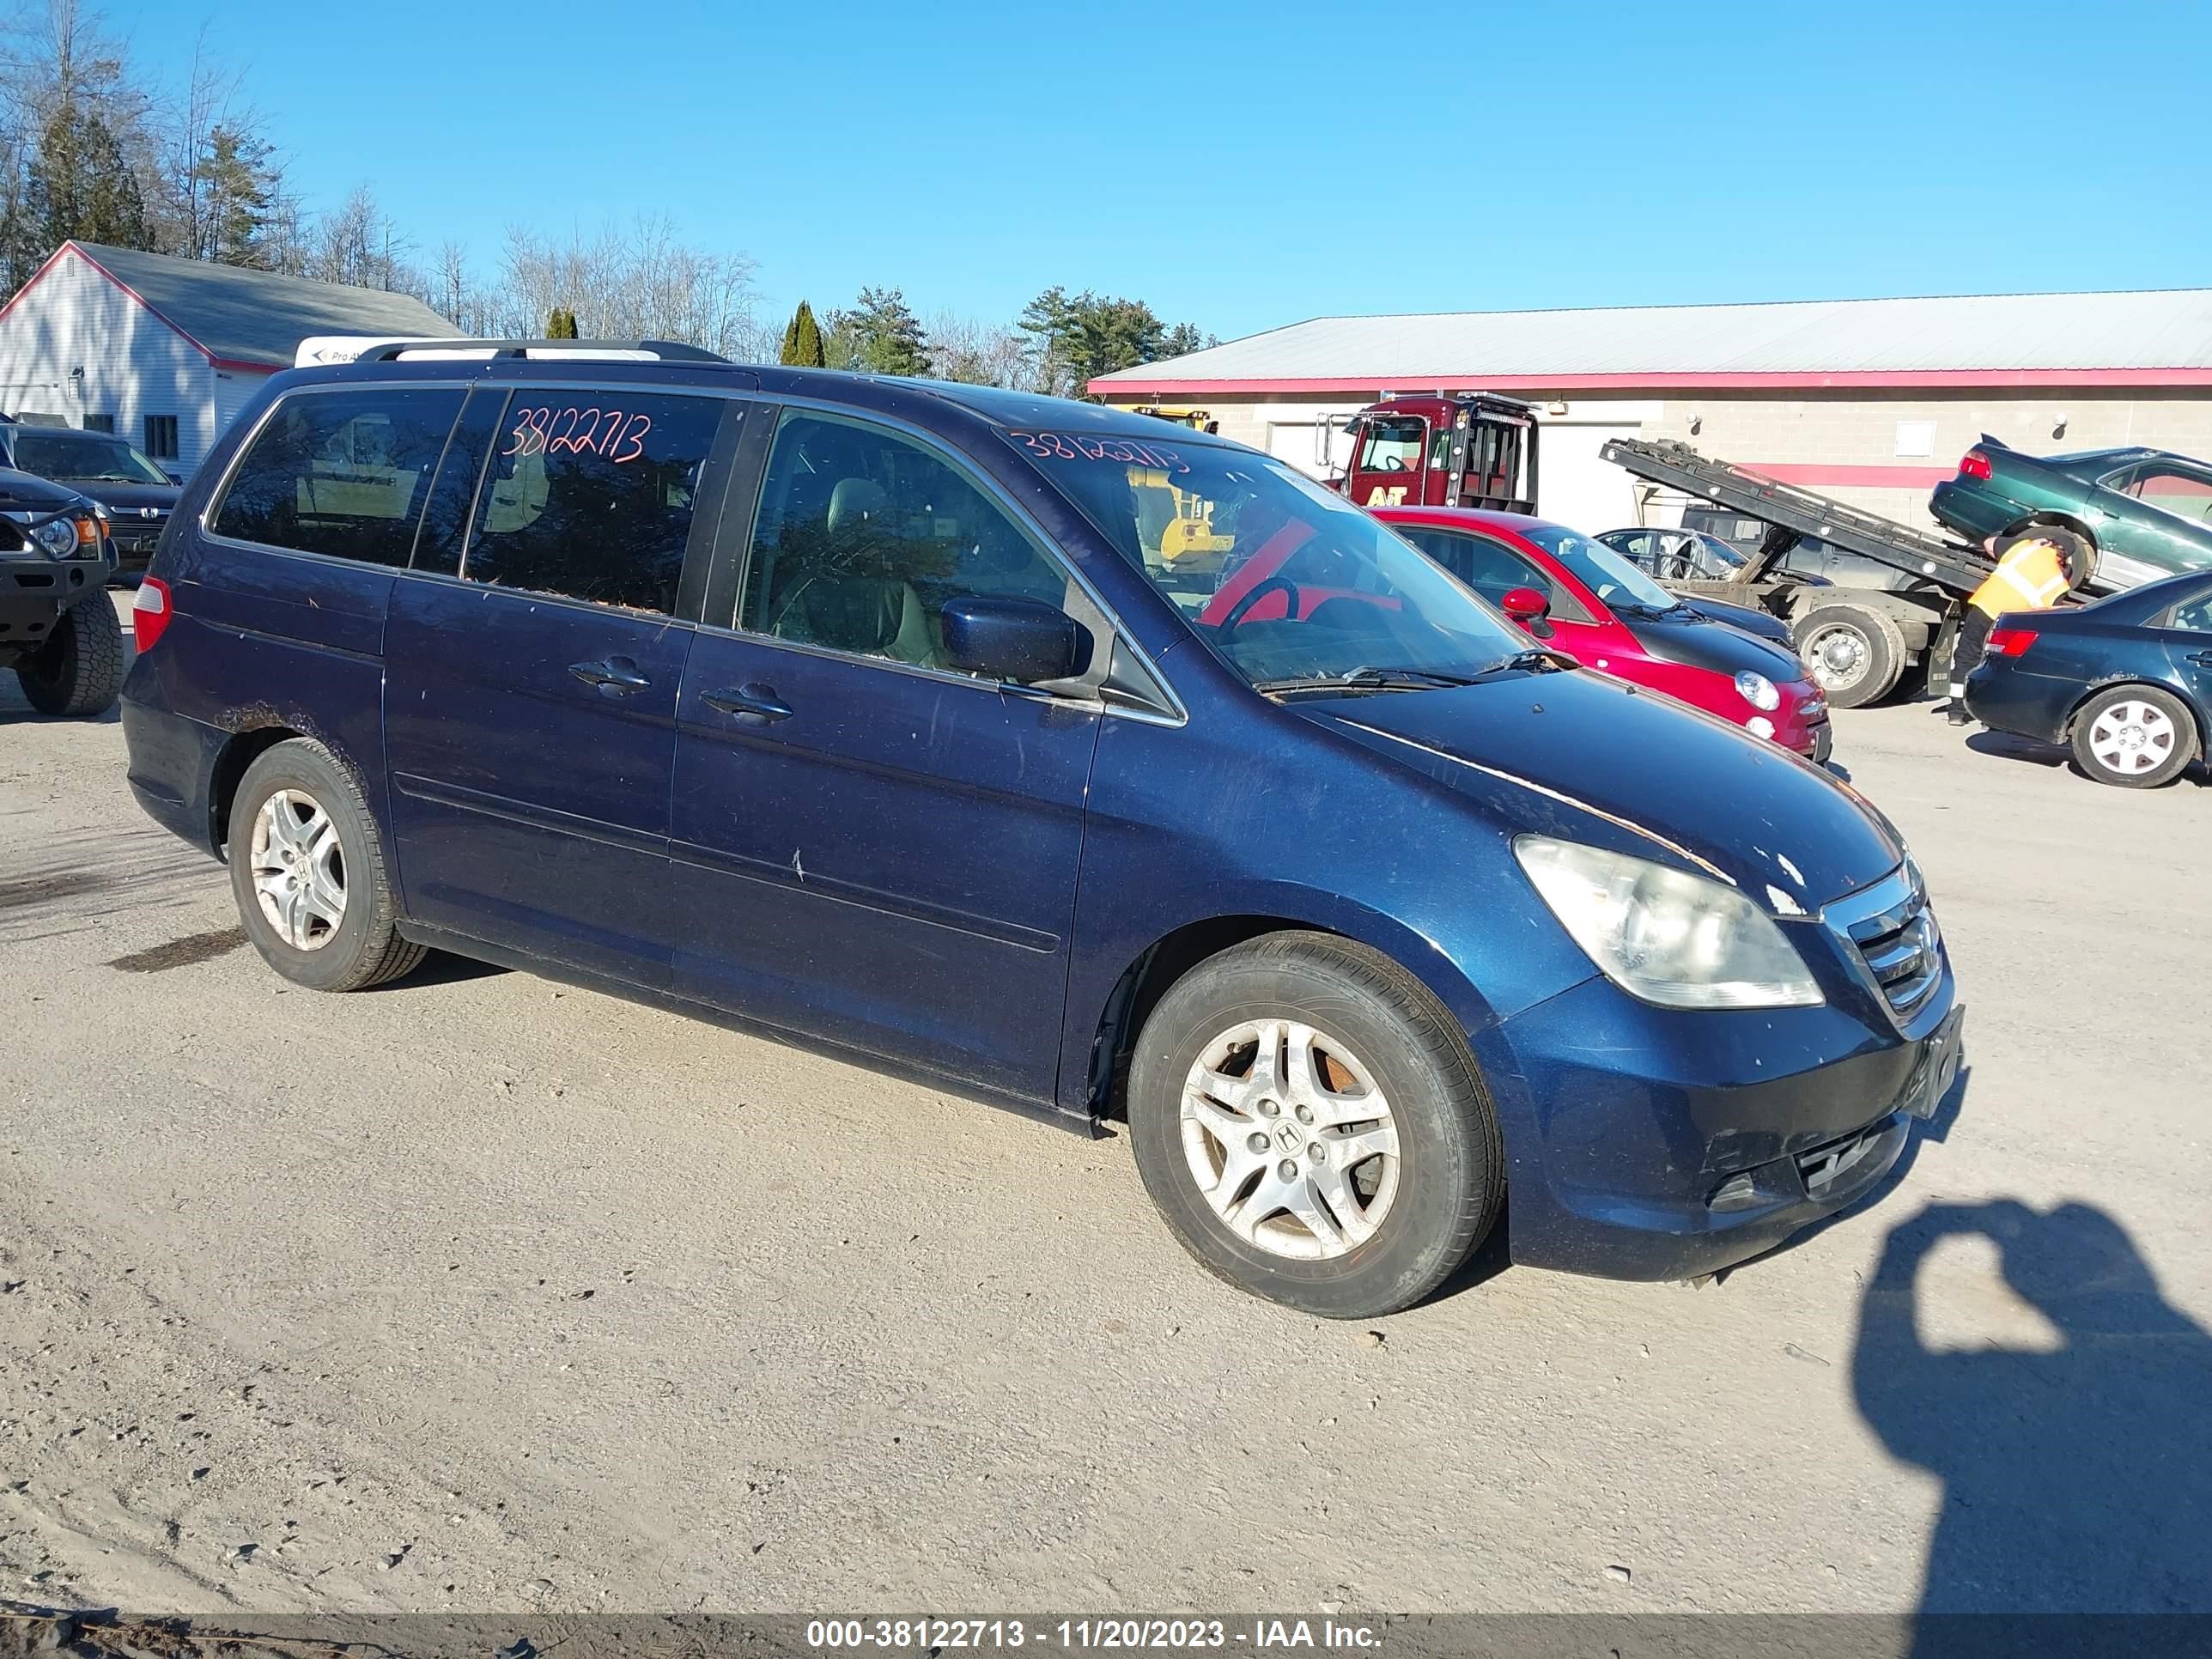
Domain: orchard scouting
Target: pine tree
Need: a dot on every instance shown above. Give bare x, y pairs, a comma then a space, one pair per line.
887, 335
802, 339
79, 183
240, 186
561, 324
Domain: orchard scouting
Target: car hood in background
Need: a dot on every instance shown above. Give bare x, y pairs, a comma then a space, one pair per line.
123, 501
1749, 618
26, 492
1544, 751
1721, 646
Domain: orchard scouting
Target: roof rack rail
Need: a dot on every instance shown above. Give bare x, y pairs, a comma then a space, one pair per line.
667, 350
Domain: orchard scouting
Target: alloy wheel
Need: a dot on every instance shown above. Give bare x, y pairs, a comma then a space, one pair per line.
1289, 1140
298, 869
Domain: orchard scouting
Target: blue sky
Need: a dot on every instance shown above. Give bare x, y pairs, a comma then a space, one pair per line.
1245, 166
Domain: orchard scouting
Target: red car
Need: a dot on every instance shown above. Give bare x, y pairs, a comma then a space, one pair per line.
1580, 597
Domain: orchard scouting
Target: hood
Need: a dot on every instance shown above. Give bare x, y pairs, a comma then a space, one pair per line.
1748, 617
24, 493
1698, 641
1568, 754
123, 501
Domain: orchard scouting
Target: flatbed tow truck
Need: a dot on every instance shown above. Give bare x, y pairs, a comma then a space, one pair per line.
1860, 642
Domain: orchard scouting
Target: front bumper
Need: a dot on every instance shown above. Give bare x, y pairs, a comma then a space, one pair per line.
1800, 723
1647, 1143
34, 589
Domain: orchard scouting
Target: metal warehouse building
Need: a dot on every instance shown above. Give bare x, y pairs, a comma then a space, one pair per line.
1872, 401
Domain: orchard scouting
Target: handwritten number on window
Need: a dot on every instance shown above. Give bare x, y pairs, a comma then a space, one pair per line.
610, 433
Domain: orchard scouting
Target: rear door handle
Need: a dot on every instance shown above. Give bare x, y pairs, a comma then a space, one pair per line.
615, 676
751, 704
2203, 657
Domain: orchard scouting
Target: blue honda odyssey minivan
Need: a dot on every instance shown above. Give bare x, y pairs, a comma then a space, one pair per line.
946, 729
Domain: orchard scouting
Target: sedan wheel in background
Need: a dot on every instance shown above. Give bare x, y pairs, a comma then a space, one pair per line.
2135, 737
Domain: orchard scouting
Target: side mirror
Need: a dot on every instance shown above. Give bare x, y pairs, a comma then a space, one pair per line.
173, 477
1525, 605
1017, 640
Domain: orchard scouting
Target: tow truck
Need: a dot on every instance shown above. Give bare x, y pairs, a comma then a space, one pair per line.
1860, 642
1453, 449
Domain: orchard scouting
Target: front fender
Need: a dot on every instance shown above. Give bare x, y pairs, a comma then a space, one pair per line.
1356, 848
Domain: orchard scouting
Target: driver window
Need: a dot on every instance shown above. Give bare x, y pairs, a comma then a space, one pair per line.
863, 535
1395, 444
1491, 568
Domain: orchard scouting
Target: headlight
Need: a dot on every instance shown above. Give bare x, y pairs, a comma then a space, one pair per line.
57, 537
1678, 940
1758, 690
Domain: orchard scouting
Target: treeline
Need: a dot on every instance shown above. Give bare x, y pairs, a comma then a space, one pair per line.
91, 148
1058, 344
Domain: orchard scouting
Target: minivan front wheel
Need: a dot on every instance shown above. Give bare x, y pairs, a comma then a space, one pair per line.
307, 872
1308, 1121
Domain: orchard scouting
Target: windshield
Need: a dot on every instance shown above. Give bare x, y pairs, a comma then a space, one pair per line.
1716, 557
103, 460
1599, 569
1285, 580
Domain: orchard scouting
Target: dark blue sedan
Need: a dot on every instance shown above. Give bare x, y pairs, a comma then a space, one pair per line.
2127, 681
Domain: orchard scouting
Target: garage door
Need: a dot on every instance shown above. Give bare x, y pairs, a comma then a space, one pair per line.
1293, 441
1577, 489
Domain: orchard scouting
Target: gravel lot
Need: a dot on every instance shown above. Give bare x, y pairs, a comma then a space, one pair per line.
476, 1293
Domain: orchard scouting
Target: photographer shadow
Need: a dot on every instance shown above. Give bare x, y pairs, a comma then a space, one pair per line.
2077, 1478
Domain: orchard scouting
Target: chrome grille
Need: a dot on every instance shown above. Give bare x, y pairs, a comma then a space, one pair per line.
1893, 931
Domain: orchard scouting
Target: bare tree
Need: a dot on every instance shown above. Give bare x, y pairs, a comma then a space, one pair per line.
641, 282
979, 352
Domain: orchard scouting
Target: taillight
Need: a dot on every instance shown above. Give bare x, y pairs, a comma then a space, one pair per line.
2010, 642
1973, 465
149, 613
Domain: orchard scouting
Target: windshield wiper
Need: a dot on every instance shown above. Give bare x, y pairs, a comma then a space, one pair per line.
1536, 660
1369, 679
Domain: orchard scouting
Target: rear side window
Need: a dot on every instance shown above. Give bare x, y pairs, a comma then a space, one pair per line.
340, 473
590, 495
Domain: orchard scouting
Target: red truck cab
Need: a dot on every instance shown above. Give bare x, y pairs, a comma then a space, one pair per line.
1465, 449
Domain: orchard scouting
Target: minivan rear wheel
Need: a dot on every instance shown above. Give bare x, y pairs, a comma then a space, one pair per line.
1308, 1119
308, 874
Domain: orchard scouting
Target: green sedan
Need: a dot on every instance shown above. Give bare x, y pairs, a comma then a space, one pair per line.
2126, 515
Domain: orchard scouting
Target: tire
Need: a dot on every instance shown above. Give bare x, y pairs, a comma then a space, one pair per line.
78, 671
2134, 736
334, 928
2078, 550
1345, 1023
1855, 655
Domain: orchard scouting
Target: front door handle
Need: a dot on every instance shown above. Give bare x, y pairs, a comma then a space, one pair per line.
614, 676
2202, 657
751, 704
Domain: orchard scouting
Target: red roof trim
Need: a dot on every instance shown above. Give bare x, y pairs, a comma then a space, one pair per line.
1663, 380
